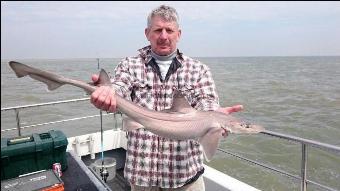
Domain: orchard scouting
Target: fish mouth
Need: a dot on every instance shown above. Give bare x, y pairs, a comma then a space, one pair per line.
257, 128
225, 132
250, 128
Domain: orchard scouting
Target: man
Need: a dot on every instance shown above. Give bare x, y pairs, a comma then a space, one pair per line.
149, 80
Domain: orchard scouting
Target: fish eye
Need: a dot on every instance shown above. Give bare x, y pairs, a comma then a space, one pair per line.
245, 125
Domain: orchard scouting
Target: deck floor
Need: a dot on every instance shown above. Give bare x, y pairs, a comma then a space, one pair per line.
119, 183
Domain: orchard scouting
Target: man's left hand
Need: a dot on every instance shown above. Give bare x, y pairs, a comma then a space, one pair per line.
229, 110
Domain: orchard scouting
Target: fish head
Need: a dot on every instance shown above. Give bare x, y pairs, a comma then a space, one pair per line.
241, 127
234, 125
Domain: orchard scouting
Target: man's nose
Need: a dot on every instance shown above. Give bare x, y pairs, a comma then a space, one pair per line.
164, 34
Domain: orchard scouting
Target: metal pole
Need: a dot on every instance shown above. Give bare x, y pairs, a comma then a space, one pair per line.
101, 136
303, 167
18, 121
116, 122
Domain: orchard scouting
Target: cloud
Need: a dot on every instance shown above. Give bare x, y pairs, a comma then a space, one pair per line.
189, 11
117, 27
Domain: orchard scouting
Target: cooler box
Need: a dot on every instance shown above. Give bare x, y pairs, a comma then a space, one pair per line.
25, 154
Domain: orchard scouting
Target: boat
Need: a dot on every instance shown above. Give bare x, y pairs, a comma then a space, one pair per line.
84, 150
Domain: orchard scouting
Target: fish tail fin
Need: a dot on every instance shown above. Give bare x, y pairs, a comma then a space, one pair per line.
22, 70
210, 142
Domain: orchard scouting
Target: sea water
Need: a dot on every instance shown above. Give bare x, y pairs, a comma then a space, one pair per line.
297, 96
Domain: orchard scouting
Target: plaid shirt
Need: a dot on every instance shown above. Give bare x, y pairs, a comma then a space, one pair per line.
152, 160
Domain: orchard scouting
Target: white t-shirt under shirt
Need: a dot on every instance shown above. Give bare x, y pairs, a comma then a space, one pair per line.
163, 67
163, 62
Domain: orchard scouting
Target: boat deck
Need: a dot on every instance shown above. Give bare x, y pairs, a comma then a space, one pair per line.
119, 183
79, 177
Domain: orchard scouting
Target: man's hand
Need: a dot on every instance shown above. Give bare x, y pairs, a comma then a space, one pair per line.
229, 110
103, 97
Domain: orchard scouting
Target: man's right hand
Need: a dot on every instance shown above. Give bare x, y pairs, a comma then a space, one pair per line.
103, 97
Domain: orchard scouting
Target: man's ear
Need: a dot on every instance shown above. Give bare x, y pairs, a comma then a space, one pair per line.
179, 34
146, 31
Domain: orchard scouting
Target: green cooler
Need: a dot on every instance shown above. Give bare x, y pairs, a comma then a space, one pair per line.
26, 154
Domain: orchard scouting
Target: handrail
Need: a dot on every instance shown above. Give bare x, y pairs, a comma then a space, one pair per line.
296, 177
17, 108
44, 104
304, 142
54, 122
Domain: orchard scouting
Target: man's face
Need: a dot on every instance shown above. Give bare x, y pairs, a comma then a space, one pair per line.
163, 36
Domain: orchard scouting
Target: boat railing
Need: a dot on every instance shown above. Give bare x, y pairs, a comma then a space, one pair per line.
305, 143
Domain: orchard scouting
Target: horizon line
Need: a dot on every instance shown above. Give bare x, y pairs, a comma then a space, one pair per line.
83, 58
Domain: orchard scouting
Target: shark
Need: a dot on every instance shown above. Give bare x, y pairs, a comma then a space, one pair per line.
180, 122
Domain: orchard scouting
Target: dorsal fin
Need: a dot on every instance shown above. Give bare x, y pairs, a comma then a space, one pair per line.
180, 104
104, 78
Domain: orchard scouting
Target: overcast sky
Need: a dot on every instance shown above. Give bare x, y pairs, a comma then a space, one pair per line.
116, 29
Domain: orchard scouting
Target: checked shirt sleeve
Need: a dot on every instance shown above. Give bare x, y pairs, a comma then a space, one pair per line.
122, 79
206, 97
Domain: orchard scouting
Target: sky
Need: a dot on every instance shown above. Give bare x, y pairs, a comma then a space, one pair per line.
97, 29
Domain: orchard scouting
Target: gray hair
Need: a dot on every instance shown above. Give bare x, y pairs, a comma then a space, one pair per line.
167, 13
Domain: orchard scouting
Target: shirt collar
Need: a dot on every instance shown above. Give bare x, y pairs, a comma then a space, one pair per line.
145, 53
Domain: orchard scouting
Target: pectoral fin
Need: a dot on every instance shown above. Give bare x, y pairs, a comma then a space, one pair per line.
51, 85
130, 125
210, 142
